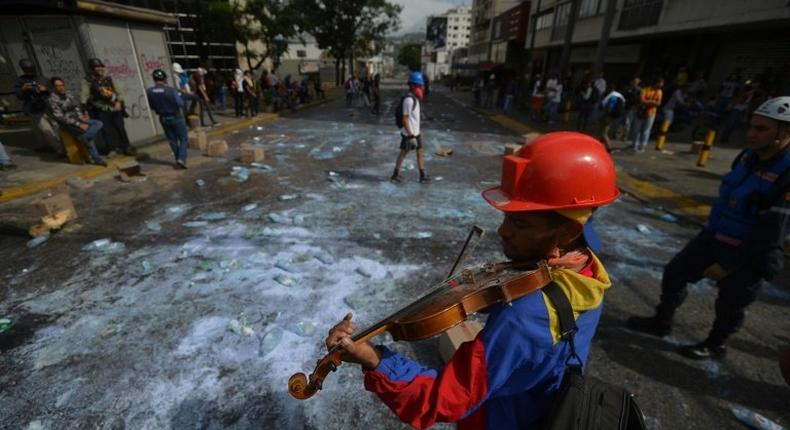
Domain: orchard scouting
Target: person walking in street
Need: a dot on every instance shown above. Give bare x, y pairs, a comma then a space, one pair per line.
646, 109
677, 99
186, 89
538, 99
5, 159
553, 98
613, 106
250, 94
477, 90
509, 376
349, 89
165, 101
67, 111
407, 118
375, 90
198, 82
631, 93
742, 243
584, 103
34, 91
237, 88
510, 95
104, 102
599, 91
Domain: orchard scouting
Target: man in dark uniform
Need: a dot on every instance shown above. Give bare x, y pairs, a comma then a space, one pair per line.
103, 102
165, 101
742, 243
34, 92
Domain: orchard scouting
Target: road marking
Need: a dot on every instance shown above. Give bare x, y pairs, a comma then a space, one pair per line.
641, 189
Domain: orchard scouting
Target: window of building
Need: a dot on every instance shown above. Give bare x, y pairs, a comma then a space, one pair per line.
640, 13
544, 20
592, 7
301, 53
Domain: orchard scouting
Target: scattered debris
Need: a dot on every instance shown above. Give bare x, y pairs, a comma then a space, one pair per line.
198, 139
643, 228
287, 281
217, 148
230, 265
276, 218
511, 148
56, 209
261, 166
286, 197
423, 235
212, 216
668, 217
240, 174
5, 324
271, 340
324, 258
362, 271
251, 154
438, 178
377, 236
754, 420
241, 326
444, 152
153, 226
36, 241
282, 265
147, 267
299, 219
195, 224
667, 152
105, 246
80, 183
200, 183
109, 332
249, 207
306, 328
130, 172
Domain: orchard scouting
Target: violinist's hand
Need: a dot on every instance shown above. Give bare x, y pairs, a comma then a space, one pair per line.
360, 353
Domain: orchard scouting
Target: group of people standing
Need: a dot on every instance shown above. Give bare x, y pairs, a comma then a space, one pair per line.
365, 91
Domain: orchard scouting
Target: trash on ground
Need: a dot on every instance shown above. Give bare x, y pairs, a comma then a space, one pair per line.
271, 340
423, 235
105, 246
324, 258
286, 197
668, 217
306, 328
299, 219
153, 226
230, 265
249, 207
444, 152
241, 326
362, 271
80, 183
200, 182
109, 332
287, 281
261, 166
147, 267
643, 228
667, 152
438, 178
130, 171
240, 174
754, 420
212, 216
377, 236
36, 241
195, 224
282, 265
276, 218
5, 324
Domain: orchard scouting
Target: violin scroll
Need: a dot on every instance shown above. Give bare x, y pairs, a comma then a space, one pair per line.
299, 388
298, 385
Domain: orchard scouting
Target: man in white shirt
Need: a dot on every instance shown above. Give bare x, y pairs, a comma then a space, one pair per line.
553, 97
408, 120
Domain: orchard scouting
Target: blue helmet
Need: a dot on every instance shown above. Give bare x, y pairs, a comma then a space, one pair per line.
415, 78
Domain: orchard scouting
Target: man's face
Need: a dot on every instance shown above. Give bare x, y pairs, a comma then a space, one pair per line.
529, 236
762, 132
98, 71
59, 87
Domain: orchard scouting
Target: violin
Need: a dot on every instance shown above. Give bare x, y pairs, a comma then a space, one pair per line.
444, 307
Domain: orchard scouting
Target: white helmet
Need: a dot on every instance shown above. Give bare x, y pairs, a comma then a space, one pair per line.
177, 68
777, 108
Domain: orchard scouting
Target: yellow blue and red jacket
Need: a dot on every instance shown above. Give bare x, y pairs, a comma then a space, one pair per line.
507, 376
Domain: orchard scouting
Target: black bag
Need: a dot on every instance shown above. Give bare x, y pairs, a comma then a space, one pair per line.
584, 403
399, 110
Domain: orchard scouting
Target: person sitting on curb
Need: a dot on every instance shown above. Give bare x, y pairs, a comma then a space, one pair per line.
71, 118
409, 124
165, 101
509, 376
33, 90
742, 243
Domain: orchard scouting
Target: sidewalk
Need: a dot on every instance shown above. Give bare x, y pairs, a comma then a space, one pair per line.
39, 171
668, 178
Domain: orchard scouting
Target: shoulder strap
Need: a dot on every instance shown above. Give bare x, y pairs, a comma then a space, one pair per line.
568, 326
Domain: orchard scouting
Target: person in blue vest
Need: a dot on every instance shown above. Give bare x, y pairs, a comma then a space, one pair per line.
165, 101
742, 243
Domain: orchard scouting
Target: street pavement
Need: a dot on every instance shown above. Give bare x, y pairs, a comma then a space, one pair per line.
209, 297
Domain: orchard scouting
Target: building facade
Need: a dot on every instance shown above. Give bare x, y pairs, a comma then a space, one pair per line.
446, 35
481, 42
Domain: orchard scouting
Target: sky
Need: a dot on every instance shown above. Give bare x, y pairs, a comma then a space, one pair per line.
415, 11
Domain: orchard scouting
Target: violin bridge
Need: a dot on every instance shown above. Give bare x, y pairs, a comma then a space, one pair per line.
468, 277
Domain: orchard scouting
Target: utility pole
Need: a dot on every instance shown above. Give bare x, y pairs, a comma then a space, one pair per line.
566, 48
603, 43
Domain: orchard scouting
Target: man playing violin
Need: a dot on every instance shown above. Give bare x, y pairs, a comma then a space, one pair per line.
507, 376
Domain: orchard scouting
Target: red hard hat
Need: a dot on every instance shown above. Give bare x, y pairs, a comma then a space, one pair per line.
562, 170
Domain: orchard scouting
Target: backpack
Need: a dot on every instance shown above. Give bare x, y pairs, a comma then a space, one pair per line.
399, 110
583, 402
615, 107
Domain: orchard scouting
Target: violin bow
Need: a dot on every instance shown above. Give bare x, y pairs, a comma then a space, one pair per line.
476, 235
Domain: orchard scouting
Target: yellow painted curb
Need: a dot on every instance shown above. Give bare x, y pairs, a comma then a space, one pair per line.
39, 186
641, 189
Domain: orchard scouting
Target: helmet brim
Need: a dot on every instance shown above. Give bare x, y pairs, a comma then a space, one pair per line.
501, 200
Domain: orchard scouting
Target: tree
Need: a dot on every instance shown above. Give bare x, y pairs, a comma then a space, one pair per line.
410, 56
223, 19
275, 22
349, 27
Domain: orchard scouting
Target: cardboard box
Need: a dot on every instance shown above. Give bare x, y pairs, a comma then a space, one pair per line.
217, 148
251, 154
130, 171
529, 137
198, 140
451, 340
511, 148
